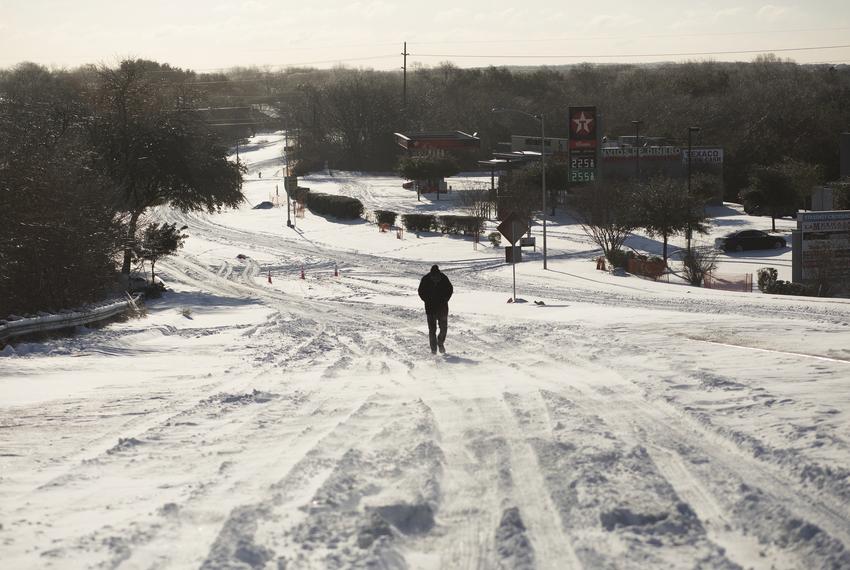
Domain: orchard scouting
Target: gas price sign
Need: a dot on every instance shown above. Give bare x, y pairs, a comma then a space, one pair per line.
583, 144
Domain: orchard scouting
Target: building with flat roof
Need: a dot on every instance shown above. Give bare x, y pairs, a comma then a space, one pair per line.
436, 141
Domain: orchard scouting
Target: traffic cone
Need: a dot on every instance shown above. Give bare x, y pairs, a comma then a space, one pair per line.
270, 277
302, 272
336, 271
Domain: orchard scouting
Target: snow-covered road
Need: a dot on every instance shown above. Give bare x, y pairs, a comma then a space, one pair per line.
303, 423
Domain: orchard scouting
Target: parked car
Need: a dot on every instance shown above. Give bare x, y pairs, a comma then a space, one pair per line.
749, 239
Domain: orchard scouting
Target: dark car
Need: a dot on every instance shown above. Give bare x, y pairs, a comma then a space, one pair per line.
749, 239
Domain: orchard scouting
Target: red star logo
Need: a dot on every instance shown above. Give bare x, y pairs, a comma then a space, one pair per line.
583, 123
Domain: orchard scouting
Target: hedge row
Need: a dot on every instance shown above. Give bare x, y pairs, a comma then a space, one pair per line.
768, 283
419, 222
385, 217
342, 207
444, 224
460, 224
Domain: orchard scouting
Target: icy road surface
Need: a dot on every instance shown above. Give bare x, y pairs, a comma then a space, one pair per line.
305, 424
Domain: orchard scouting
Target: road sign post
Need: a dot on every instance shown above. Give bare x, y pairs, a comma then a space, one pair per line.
290, 183
513, 227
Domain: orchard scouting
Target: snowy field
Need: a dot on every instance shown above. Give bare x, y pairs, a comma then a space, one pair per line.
254, 419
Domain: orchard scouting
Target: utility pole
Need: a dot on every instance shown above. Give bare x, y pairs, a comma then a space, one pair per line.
637, 149
404, 68
537, 117
691, 131
543, 179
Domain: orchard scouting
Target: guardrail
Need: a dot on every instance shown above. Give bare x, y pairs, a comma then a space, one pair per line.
28, 325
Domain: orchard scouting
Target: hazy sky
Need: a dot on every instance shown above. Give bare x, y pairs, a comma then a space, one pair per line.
215, 34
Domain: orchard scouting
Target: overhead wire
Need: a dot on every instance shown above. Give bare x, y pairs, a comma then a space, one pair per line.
625, 55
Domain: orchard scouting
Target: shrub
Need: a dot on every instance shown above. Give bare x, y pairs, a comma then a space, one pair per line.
617, 257
419, 222
299, 193
766, 279
781, 287
460, 224
698, 263
495, 238
768, 283
385, 217
343, 207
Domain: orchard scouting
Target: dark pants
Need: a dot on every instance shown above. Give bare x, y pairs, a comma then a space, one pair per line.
441, 317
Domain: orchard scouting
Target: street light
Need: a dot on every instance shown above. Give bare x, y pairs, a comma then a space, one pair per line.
538, 117
691, 131
637, 148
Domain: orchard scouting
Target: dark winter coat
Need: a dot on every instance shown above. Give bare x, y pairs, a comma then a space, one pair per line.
436, 290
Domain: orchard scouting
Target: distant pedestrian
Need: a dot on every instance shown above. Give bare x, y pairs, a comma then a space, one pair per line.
435, 290
260, 175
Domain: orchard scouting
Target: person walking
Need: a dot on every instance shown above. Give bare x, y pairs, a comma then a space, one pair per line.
435, 290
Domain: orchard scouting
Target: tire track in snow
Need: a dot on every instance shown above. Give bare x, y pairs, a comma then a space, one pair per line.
723, 465
492, 475
236, 542
260, 456
470, 505
525, 422
383, 489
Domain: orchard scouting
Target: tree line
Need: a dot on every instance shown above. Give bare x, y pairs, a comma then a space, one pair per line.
762, 113
84, 156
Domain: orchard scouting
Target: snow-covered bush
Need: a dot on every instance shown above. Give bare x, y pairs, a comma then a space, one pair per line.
385, 217
460, 224
343, 207
419, 222
767, 279
495, 238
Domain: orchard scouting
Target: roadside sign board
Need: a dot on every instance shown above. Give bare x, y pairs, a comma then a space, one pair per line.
513, 254
513, 227
290, 183
824, 251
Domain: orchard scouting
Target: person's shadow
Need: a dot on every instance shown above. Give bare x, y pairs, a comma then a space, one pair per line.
459, 359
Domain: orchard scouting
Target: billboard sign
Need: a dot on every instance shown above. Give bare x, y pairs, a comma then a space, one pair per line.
834, 221
703, 155
584, 161
825, 251
554, 146
649, 152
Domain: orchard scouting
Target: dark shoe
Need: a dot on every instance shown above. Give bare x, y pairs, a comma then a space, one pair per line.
442, 349
433, 351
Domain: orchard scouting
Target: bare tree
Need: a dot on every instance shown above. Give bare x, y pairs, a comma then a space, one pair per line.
475, 198
666, 209
606, 215
698, 263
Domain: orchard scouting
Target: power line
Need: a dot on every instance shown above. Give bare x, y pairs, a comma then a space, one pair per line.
629, 37
624, 55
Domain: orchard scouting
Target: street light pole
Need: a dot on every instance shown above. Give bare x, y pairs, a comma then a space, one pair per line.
538, 117
543, 179
637, 148
691, 131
